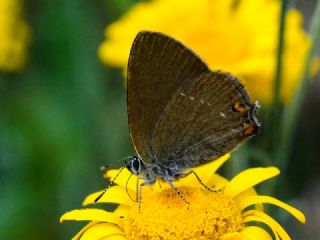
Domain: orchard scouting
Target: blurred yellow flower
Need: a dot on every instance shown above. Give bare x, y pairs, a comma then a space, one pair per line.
228, 213
14, 36
235, 36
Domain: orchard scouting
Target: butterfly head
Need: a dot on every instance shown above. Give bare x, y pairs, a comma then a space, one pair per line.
135, 165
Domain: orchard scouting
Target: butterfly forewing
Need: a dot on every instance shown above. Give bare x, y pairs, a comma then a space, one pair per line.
158, 66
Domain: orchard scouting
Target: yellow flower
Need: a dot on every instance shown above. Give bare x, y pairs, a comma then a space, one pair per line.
239, 38
228, 213
14, 36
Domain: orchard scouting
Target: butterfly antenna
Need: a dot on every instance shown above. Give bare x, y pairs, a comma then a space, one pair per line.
110, 184
114, 165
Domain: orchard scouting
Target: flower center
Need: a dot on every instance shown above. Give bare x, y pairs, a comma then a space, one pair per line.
163, 215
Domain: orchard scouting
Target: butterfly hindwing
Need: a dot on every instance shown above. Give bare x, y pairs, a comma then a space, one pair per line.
205, 119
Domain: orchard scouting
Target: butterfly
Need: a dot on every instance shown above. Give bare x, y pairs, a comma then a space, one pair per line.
181, 114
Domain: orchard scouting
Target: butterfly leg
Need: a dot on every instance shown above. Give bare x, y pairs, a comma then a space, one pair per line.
201, 182
198, 178
139, 191
177, 191
139, 197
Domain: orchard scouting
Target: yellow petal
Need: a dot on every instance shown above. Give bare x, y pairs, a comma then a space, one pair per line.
122, 210
102, 230
257, 216
245, 194
85, 228
254, 232
234, 236
114, 238
248, 193
91, 214
115, 194
122, 178
217, 182
249, 178
267, 199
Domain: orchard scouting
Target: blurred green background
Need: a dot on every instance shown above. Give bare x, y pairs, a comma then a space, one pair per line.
65, 115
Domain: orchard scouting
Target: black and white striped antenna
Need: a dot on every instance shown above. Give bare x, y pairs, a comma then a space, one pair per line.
104, 168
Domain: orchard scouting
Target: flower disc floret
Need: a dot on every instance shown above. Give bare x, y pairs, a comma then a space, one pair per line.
164, 215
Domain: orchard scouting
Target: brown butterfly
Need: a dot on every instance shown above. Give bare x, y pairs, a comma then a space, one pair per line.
181, 114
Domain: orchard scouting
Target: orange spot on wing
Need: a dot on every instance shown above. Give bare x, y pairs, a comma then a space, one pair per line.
238, 107
249, 131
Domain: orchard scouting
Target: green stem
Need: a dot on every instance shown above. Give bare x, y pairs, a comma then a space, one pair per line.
292, 112
276, 110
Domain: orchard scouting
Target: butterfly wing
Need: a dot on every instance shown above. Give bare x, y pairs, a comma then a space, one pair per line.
158, 65
204, 120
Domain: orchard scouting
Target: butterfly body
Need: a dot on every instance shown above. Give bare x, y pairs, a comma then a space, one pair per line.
154, 171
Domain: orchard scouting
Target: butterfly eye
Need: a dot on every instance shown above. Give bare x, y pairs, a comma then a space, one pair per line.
135, 165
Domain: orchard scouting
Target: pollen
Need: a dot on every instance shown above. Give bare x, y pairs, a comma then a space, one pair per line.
163, 215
